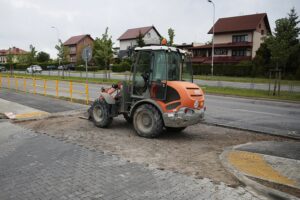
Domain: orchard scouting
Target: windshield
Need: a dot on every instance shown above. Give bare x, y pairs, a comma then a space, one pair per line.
187, 69
171, 66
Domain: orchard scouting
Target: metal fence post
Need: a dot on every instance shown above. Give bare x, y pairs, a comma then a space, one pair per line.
87, 93
56, 88
71, 91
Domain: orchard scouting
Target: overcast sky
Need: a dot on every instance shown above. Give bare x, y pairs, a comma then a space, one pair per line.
25, 22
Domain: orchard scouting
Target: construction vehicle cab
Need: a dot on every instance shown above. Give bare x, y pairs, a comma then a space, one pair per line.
159, 95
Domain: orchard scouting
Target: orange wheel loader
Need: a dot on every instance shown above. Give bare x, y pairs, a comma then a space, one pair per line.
160, 94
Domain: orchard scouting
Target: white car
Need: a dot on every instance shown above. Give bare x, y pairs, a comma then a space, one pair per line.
34, 69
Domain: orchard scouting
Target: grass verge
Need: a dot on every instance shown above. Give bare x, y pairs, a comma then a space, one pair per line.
290, 96
240, 92
244, 79
66, 78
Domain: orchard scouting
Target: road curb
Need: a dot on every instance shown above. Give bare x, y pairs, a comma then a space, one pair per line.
258, 188
251, 130
54, 115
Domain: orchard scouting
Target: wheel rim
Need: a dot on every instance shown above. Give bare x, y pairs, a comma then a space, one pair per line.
97, 113
144, 121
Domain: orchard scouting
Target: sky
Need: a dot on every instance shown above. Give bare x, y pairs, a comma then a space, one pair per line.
25, 22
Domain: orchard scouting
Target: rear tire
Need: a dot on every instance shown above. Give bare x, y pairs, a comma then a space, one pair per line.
99, 113
176, 130
147, 121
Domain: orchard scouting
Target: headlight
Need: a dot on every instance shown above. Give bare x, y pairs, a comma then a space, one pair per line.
196, 104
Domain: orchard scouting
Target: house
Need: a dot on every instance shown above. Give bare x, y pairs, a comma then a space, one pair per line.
129, 38
236, 39
14, 52
76, 44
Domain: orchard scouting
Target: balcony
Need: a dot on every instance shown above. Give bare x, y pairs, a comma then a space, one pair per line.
221, 59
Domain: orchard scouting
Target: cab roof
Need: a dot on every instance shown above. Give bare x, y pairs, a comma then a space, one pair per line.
156, 48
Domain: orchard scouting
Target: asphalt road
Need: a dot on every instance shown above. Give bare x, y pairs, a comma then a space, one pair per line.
258, 86
272, 117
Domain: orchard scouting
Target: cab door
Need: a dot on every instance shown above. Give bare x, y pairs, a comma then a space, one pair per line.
141, 74
158, 86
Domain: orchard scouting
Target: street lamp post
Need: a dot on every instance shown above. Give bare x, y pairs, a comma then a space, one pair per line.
213, 44
57, 32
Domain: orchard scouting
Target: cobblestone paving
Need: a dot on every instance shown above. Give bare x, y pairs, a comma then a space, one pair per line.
34, 166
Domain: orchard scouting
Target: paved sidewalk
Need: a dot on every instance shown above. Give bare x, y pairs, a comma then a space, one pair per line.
34, 166
271, 167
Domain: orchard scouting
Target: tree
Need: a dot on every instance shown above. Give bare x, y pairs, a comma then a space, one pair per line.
42, 57
284, 44
102, 50
140, 40
293, 19
63, 52
261, 62
171, 34
31, 56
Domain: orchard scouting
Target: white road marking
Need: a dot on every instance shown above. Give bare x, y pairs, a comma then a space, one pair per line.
265, 113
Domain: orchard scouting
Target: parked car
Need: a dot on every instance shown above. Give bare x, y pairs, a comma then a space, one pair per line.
2, 69
51, 67
62, 67
67, 67
34, 69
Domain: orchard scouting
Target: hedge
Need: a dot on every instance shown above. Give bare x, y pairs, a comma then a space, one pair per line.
241, 69
122, 67
24, 66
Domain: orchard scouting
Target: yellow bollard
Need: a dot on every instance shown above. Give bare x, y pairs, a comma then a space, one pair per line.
56, 88
16, 83
45, 87
87, 93
34, 86
24, 84
71, 91
0, 81
8, 82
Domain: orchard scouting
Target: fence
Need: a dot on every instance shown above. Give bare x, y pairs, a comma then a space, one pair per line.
46, 87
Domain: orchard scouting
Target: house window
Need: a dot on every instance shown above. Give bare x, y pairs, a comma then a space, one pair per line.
72, 49
240, 38
239, 52
148, 35
262, 32
220, 51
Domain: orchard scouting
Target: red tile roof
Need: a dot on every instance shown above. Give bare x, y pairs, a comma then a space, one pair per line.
76, 39
240, 23
13, 51
224, 45
134, 32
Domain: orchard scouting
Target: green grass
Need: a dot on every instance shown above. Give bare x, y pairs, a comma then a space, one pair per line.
66, 78
290, 96
284, 95
243, 79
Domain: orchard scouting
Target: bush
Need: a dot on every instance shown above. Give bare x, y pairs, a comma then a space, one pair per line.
90, 68
122, 67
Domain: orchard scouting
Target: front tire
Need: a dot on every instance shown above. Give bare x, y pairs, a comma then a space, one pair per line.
147, 121
99, 113
175, 130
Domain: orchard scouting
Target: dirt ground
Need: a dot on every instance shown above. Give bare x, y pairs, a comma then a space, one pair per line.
194, 152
